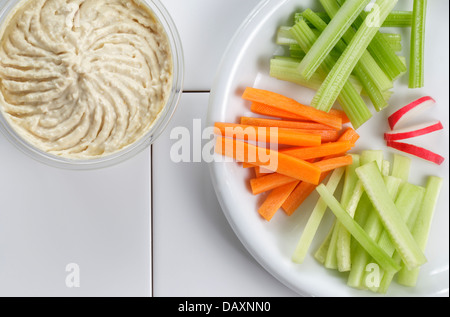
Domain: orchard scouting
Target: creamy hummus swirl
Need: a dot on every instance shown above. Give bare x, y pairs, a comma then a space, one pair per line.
83, 78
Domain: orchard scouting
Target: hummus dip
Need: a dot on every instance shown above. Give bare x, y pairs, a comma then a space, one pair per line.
82, 79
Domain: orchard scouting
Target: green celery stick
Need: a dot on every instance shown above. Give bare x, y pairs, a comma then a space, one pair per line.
285, 68
373, 227
331, 35
371, 76
402, 238
395, 19
340, 245
351, 194
315, 219
422, 227
417, 58
322, 251
398, 19
331, 88
407, 200
387, 278
357, 232
394, 40
380, 49
367, 62
283, 36
350, 100
401, 167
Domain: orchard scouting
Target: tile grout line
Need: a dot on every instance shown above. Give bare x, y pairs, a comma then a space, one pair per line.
151, 224
151, 199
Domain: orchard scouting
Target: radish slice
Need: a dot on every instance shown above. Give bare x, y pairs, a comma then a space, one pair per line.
414, 131
417, 151
411, 110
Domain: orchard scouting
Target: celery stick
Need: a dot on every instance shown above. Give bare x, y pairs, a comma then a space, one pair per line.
402, 238
350, 100
285, 68
322, 251
315, 219
416, 66
380, 49
395, 19
296, 51
367, 70
367, 62
407, 200
322, 15
350, 200
401, 167
331, 35
343, 244
394, 40
369, 156
351, 194
389, 276
331, 88
422, 227
284, 37
357, 232
331, 258
373, 227
398, 19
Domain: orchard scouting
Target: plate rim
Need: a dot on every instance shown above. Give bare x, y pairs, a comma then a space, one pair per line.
215, 168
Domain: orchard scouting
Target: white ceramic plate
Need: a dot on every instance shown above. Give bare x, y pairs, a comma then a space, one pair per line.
246, 63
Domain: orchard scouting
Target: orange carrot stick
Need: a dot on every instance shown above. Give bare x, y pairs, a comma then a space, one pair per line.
287, 124
268, 135
275, 200
284, 164
330, 164
349, 135
303, 190
299, 195
291, 106
306, 153
268, 182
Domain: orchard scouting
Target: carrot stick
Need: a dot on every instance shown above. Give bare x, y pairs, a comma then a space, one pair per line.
268, 182
303, 190
291, 106
275, 200
287, 124
306, 153
299, 195
284, 164
349, 135
330, 164
265, 110
268, 135
341, 114
258, 172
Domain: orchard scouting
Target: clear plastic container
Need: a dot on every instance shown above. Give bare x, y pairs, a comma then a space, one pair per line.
6, 7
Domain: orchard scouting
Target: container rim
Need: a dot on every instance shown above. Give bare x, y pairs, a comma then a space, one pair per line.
158, 126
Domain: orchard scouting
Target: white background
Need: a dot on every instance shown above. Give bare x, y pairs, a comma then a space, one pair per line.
126, 242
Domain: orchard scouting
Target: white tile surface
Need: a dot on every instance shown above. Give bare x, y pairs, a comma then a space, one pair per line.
50, 218
196, 253
206, 27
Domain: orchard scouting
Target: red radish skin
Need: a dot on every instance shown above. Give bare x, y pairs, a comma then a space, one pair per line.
417, 151
414, 131
410, 110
